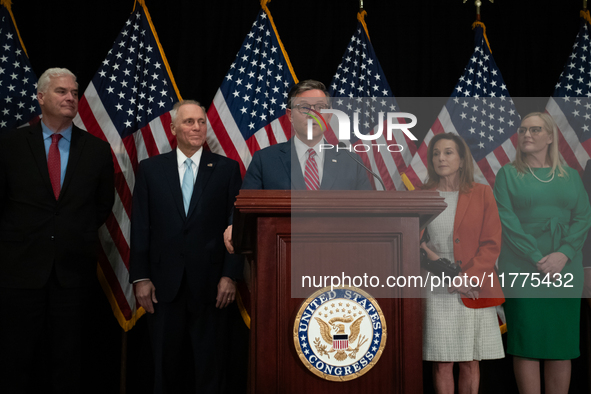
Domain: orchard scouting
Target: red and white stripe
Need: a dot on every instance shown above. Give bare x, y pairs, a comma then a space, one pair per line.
224, 137
574, 153
388, 165
311, 176
340, 344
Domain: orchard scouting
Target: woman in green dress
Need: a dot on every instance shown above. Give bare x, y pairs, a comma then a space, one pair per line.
545, 215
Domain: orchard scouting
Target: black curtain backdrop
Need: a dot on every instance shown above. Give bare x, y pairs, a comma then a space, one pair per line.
422, 46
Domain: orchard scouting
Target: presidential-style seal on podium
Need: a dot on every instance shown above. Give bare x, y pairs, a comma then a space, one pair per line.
339, 333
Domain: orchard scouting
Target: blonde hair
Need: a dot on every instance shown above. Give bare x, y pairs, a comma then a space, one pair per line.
553, 157
466, 169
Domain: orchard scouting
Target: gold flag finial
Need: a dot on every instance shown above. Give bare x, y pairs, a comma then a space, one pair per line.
478, 3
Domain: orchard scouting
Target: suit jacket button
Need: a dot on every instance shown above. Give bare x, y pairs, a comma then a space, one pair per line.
53, 237
457, 240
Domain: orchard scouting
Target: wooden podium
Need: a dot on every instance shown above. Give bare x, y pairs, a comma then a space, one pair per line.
346, 225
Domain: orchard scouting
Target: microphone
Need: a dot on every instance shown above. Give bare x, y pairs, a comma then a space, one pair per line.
342, 145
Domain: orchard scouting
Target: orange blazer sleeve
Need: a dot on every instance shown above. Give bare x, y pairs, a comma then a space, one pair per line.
477, 243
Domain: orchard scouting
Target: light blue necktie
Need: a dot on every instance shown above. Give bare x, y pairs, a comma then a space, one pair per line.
187, 186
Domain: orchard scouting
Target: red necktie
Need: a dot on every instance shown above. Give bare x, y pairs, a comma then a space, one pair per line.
54, 165
311, 173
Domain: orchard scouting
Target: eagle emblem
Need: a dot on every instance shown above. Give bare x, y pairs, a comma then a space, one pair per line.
339, 333
339, 341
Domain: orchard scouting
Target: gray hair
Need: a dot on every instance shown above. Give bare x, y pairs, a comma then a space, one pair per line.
55, 72
176, 107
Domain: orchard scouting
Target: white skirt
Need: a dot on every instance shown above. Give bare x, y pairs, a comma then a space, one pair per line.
453, 332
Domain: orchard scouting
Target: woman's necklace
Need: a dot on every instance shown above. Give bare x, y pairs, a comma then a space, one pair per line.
549, 180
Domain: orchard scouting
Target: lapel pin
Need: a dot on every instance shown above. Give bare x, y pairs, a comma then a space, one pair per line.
334, 160
210, 164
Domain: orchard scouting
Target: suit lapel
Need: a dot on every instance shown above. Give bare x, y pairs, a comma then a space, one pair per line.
206, 167
35, 139
463, 202
171, 172
293, 168
76, 147
330, 169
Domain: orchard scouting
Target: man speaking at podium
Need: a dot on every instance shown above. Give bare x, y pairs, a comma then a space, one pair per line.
300, 164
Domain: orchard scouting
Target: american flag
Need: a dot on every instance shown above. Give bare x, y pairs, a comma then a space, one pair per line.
481, 111
18, 83
128, 104
570, 106
248, 111
359, 75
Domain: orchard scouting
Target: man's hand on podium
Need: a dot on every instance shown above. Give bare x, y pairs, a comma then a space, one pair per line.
228, 239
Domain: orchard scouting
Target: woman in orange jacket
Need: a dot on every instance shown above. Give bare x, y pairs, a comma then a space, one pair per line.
460, 321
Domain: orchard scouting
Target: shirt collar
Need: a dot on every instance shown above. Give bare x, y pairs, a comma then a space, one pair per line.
47, 132
180, 157
302, 148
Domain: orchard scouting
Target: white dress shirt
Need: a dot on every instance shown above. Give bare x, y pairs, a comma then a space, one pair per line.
180, 158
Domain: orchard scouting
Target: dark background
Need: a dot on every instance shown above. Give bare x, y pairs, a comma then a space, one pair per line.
423, 47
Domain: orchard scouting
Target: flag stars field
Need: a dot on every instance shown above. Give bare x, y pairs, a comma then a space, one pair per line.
18, 84
129, 73
248, 111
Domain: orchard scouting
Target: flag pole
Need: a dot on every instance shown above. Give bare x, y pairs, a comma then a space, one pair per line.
8, 5
478, 3
123, 372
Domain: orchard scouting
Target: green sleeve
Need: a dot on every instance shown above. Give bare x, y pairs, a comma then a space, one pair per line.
523, 245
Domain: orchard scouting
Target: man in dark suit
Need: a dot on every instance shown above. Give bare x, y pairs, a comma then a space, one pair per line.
286, 165
56, 190
182, 274
301, 163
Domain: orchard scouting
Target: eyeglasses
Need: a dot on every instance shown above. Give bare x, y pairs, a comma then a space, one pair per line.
304, 109
534, 130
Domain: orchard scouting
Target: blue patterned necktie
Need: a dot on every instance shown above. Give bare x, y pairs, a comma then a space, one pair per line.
187, 186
